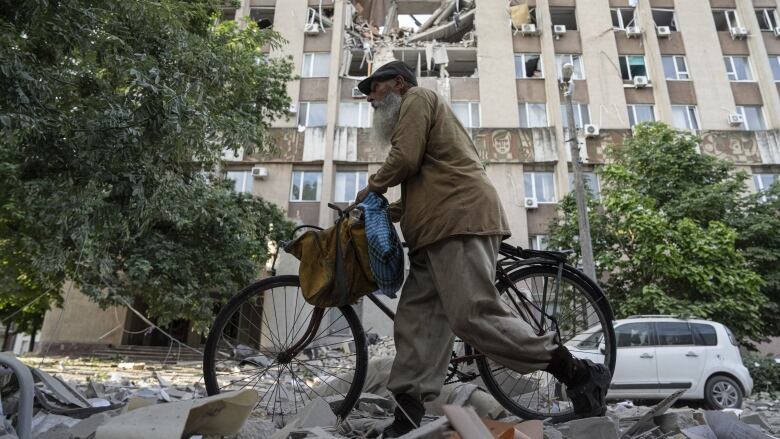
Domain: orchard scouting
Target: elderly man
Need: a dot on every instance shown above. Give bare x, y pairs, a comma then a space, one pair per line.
453, 222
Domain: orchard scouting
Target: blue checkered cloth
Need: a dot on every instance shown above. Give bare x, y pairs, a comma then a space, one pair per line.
385, 253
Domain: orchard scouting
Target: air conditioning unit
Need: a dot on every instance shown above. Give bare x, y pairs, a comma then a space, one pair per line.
531, 203
640, 81
311, 29
633, 32
777, 31
739, 32
663, 31
529, 29
590, 130
559, 29
356, 93
259, 172
736, 119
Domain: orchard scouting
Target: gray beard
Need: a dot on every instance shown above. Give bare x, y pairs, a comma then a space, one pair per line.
386, 114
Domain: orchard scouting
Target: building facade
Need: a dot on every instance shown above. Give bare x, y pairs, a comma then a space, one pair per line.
712, 66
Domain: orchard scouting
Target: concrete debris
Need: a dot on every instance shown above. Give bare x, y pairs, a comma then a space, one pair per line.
657, 410
601, 428
317, 413
726, 426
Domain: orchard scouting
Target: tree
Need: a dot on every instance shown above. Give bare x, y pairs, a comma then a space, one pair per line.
110, 114
664, 233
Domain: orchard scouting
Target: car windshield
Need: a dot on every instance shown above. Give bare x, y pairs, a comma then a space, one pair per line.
591, 342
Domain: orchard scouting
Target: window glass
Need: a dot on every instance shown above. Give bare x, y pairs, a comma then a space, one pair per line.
774, 61
575, 61
684, 117
754, 118
592, 341
538, 242
540, 185
634, 334
467, 113
675, 67
673, 333
354, 114
640, 113
528, 65
533, 115
622, 18
767, 19
741, 69
591, 184
242, 180
306, 186
348, 183
705, 334
316, 65
581, 115
631, 66
312, 114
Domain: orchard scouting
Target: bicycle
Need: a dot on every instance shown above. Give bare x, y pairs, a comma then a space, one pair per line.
294, 361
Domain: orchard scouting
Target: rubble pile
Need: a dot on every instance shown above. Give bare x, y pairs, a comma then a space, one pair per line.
104, 399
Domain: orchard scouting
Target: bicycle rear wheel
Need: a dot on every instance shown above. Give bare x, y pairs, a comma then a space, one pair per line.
259, 340
584, 321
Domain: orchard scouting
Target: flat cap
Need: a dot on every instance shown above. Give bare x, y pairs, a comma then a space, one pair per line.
387, 71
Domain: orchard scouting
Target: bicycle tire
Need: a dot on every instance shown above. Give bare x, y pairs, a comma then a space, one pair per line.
259, 288
510, 400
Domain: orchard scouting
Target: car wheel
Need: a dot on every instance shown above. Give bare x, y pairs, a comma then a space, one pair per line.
722, 392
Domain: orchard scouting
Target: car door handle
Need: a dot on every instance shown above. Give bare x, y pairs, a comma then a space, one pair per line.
691, 354
645, 355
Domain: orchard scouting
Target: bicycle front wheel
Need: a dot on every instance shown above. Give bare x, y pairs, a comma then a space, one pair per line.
269, 339
584, 321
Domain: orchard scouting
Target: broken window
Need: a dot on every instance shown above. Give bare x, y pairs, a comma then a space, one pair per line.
317, 20
540, 186
306, 186
581, 115
242, 181
468, 114
528, 65
639, 113
632, 66
564, 16
313, 114
622, 18
575, 60
738, 68
685, 117
665, 17
262, 15
753, 117
675, 67
354, 114
316, 65
725, 19
767, 19
532, 115
348, 183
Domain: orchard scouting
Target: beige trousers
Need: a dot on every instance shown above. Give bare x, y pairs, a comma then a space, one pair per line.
450, 290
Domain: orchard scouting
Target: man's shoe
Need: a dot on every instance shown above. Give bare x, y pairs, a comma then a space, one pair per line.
587, 383
408, 415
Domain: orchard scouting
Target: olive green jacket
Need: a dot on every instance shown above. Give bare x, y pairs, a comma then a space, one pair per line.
444, 188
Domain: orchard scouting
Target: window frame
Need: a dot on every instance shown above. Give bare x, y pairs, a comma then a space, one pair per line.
578, 111
632, 114
741, 110
595, 194
559, 62
303, 173
470, 107
533, 186
691, 115
527, 114
776, 68
522, 56
758, 184
621, 23
729, 61
770, 16
307, 104
358, 184
658, 334
247, 180
538, 242
313, 57
677, 71
362, 107
628, 67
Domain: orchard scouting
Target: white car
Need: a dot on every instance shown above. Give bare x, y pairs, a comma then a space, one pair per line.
658, 355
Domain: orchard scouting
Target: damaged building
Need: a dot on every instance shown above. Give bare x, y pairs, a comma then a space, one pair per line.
708, 66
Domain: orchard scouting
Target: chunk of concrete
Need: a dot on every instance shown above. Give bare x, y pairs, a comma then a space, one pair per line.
726, 426
593, 428
699, 432
87, 427
657, 410
756, 419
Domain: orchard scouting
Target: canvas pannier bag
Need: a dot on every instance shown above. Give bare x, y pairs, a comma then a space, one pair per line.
334, 272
